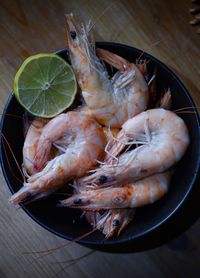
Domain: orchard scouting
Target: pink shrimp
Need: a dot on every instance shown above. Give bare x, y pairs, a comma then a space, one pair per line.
85, 147
111, 102
132, 195
111, 222
163, 139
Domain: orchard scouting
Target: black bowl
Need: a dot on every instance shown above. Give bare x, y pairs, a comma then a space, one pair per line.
153, 224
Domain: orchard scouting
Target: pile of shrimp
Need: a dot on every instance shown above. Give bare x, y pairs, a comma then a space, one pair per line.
118, 149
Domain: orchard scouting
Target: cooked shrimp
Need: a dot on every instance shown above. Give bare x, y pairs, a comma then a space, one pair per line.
85, 147
163, 139
140, 193
76, 129
111, 102
111, 222
114, 221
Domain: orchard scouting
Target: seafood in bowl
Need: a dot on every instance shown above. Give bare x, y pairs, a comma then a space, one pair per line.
122, 150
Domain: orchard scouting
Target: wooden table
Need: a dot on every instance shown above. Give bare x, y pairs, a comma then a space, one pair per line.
33, 26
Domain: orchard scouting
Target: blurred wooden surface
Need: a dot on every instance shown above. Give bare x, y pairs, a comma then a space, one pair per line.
34, 26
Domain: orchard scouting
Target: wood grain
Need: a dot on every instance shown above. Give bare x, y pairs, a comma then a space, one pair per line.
158, 27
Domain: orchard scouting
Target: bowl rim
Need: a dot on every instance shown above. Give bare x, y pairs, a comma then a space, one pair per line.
117, 241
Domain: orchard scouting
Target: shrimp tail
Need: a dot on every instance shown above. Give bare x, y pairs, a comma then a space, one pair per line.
166, 100
112, 59
41, 157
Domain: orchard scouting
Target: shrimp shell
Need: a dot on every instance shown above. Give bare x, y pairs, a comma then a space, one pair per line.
83, 150
111, 102
113, 221
140, 193
163, 139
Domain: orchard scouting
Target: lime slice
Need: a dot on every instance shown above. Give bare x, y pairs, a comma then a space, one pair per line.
45, 85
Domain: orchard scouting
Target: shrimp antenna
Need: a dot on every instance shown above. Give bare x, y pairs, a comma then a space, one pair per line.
49, 251
12, 115
7, 159
99, 17
185, 108
151, 45
72, 261
12, 153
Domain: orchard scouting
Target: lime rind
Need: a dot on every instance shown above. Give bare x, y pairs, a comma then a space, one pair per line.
30, 79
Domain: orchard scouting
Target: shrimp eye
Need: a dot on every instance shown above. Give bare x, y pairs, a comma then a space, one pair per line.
78, 202
73, 35
102, 179
115, 223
